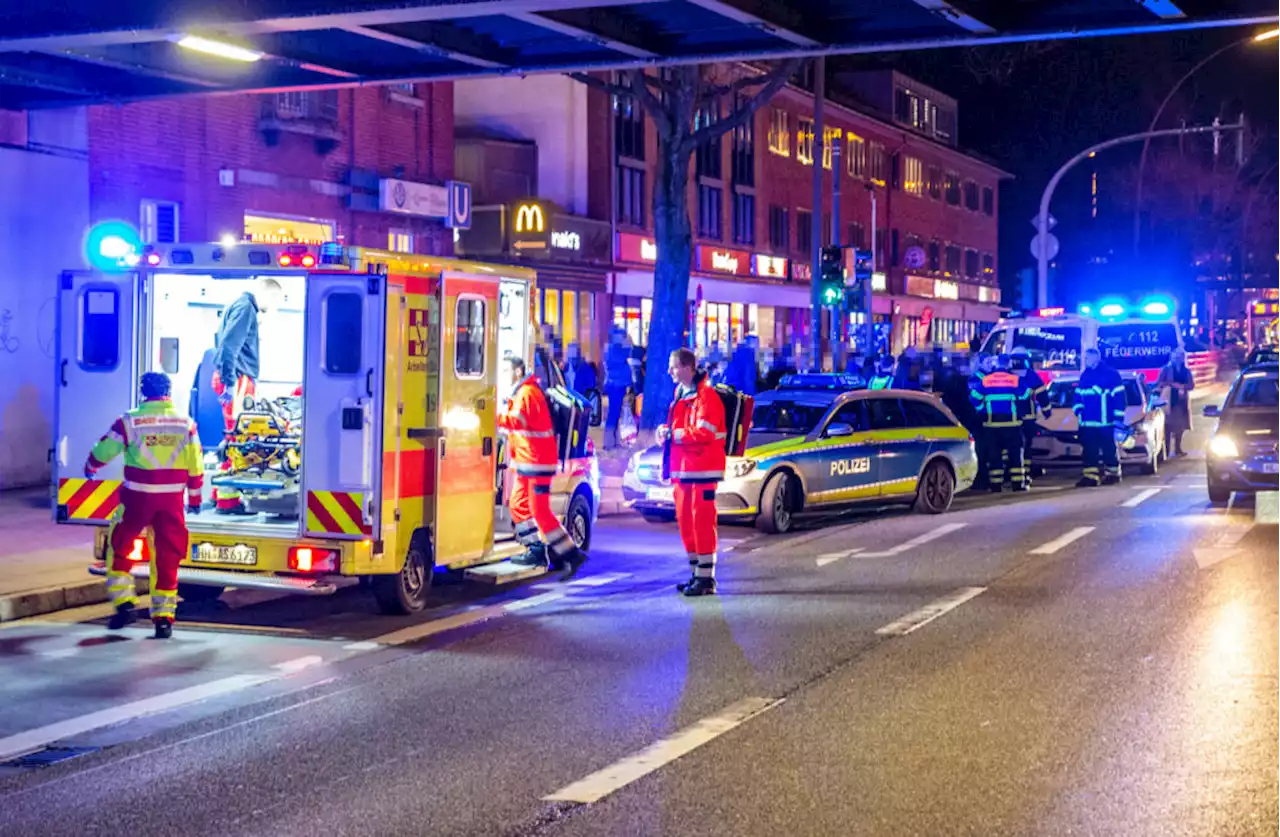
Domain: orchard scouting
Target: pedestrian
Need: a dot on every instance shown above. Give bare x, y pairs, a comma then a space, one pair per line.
998, 398
526, 421
1179, 381
694, 442
578, 374
617, 380
236, 366
1099, 407
1033, 407
883, 377
741, 373
162, 460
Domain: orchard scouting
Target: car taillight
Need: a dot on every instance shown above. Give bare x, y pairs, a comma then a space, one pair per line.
310, 559
138, 552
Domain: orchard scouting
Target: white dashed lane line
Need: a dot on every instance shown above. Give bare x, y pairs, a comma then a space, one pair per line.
1062, 540
1140, 498
919, 618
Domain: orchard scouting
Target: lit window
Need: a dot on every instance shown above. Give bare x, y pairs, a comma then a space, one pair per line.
400, 241
857, 155
830, 136
804, 142
780, 132
912, 176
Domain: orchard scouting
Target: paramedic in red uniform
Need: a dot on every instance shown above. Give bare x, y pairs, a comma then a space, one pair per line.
696, 431
162, 460
236, 364
526, 421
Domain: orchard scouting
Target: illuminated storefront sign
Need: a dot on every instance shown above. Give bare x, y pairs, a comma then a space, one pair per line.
529, 218
268, 230
772, 267
722, 260
636, 248
879, 282
565, 240
944, 289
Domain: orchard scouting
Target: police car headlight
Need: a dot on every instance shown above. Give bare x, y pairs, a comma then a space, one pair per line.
1223, 446
739, 468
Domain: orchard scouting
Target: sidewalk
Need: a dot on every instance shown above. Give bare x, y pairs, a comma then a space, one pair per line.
43, 566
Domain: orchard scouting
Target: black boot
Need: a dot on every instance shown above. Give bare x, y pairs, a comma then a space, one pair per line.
1085, 482
1022, 486
123, 617
164, 628
1111, 479
700, 587
573, 561
995, 488
534, 556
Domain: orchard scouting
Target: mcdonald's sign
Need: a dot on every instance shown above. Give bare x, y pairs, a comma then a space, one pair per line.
529, 226
530, 218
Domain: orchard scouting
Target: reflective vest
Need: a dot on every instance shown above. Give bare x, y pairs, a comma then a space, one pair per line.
527, 422
1039, 399
1100, 399
999, 398
161, 450
880, 382
698, 432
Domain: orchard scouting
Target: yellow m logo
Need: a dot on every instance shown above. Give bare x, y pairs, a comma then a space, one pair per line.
529, 218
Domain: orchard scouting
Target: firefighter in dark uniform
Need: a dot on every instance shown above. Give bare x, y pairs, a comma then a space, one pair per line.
1035, 406
1099, 408
984, 365
999, 398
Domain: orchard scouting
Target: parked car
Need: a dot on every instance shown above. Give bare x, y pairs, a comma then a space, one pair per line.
1057, 443
1242, 450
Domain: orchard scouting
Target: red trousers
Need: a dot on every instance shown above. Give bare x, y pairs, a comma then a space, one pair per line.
696, 517
228, 498
164, 515
531, 514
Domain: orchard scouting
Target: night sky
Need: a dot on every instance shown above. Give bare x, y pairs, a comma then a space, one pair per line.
1030, 107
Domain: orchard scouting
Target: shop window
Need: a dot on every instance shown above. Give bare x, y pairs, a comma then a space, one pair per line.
804, 229
988, 201
779, 132
343, 341
744, 218
710, 203
971, 263
468, 359
159, 222
100, 329
857, 155
779, 228
630, 195
400, 241
804, 141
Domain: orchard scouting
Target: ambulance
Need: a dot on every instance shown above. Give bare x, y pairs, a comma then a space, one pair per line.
369, 452
1133, 337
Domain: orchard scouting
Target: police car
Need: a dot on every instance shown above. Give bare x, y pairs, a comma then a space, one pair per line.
816, 449
1057, 440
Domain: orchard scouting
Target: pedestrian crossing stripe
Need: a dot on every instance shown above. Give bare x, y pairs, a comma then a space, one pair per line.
82, 499
336, 513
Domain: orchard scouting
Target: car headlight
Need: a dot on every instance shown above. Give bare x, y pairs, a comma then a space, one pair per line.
739, 468
1223, 446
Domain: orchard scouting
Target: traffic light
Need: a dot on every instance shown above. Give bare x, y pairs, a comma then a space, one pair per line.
831, 276
859, 281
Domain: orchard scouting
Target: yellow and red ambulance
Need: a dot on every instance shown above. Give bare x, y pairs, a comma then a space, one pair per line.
379, 381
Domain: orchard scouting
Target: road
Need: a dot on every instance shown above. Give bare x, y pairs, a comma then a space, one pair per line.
1099, 662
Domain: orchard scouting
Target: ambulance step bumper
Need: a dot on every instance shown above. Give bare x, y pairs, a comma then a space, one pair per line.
503, 572
225, 578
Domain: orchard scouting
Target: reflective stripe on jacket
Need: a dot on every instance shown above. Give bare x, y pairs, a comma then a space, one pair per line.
698, 433
1039, 399
161, 448
1100, 399
999, 398
527, 422
880, 382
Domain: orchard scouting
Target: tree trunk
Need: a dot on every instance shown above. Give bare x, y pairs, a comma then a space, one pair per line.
674, 239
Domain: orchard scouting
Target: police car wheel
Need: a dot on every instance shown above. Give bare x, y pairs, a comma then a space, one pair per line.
937, 487
776, 506
406, 591
578, 522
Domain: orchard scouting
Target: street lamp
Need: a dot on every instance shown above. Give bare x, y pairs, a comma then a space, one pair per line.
1142, 160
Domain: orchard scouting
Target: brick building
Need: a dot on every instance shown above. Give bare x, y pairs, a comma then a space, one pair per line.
299, 165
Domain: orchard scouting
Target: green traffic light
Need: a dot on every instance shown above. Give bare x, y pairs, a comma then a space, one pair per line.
830, 295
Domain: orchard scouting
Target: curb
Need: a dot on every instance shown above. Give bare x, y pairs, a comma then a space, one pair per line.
51, 599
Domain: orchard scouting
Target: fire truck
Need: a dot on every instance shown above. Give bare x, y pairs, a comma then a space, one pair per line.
369, 452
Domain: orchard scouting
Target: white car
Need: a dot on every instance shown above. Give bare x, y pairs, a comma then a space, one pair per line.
1057, 442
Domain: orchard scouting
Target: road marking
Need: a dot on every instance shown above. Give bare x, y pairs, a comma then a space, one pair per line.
361, 646
34, 739
448, 623
1059, 542
919, 540
925, 615
1140, 498
597, 580
1224, 547
832, 557
297, 665
532, 601
600, 784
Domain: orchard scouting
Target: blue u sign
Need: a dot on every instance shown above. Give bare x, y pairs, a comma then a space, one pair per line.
459, 205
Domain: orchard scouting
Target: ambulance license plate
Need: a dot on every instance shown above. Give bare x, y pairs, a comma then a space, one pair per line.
214, 553
661, 493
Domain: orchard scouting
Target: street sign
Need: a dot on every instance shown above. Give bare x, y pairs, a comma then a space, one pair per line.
1052, 222
1049, 245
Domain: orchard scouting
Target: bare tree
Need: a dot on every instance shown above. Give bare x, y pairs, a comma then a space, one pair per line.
673, 100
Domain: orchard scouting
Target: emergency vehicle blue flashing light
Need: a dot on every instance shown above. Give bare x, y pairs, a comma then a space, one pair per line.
1157, 307
113, 246
1111, 309
1086, 310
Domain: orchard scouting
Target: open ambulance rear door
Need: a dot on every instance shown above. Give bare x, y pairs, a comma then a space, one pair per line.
342, 407
97, 343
